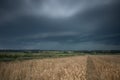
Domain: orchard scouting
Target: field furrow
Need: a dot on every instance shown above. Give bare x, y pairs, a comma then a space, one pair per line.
91, 70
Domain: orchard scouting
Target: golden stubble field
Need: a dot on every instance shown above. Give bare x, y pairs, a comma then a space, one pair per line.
70, 68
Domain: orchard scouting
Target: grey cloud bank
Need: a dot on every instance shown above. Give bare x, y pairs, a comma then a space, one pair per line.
60, 24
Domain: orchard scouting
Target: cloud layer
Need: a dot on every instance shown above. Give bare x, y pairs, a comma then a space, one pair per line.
60, 24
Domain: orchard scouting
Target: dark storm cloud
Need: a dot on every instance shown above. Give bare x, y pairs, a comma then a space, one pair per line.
59, 24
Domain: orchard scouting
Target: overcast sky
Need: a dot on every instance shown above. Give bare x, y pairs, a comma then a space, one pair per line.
60, 24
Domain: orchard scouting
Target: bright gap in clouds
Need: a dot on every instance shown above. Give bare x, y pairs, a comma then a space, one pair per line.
63, 8
58, 8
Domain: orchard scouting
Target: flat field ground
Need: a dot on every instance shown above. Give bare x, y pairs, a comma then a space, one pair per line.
104, 67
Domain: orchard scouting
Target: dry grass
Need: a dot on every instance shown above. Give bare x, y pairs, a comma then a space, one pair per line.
72, 68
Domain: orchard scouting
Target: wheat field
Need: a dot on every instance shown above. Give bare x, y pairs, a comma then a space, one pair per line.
69, 68
72, 68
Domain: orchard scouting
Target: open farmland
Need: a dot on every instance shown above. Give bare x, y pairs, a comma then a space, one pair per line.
70, 68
